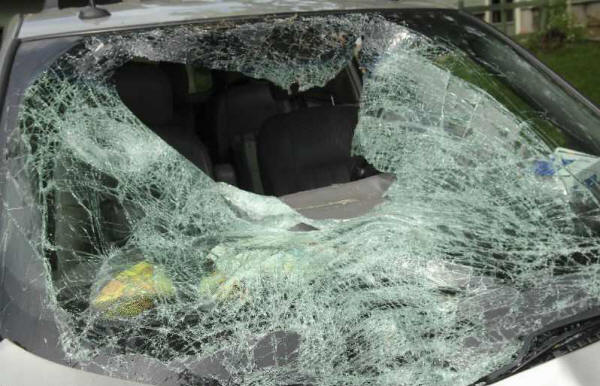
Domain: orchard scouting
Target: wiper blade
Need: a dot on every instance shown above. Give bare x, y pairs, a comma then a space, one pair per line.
554, 340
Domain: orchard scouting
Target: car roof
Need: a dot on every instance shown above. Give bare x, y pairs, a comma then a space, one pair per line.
140, 13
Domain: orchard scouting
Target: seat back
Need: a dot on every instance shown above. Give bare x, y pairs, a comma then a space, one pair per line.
147, 90
240, 110
306, 149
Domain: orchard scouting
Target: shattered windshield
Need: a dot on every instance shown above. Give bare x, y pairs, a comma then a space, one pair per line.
155, 257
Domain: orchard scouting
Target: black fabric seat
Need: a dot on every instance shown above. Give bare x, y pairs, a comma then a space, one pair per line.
148, 92
306, 149
241, 110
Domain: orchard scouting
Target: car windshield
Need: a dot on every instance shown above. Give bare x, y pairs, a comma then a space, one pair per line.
338, 199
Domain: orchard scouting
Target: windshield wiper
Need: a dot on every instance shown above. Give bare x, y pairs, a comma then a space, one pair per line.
550, 342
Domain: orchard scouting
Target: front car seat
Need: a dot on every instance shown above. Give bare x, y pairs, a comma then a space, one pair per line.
306, 149
147, 91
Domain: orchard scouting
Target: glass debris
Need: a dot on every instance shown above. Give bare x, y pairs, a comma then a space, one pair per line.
470, 249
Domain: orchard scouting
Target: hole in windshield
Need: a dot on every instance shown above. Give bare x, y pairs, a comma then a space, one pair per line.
249, 132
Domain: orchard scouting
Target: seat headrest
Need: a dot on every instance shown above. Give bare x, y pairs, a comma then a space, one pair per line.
147, 91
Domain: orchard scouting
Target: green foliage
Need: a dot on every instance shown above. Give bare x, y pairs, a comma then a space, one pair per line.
577, 63
560, 27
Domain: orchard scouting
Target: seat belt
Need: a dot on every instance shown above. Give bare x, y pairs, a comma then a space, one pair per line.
250, 155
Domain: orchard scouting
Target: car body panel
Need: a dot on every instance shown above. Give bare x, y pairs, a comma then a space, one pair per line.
17, 364
135, 14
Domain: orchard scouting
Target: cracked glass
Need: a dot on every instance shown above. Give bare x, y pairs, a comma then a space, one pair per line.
148, 262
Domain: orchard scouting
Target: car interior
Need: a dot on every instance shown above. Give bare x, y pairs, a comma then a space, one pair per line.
245, 132
248, 132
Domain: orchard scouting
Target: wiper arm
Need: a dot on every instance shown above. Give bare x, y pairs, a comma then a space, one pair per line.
556, 337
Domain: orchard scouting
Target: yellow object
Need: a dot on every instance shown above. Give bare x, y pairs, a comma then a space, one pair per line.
222, 288
234, 269
133, 291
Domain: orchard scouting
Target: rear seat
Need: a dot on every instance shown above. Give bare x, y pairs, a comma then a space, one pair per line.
244, 107
239, 112
306, 149
148, 92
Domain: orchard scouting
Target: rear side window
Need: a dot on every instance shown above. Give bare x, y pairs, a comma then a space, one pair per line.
314, 200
